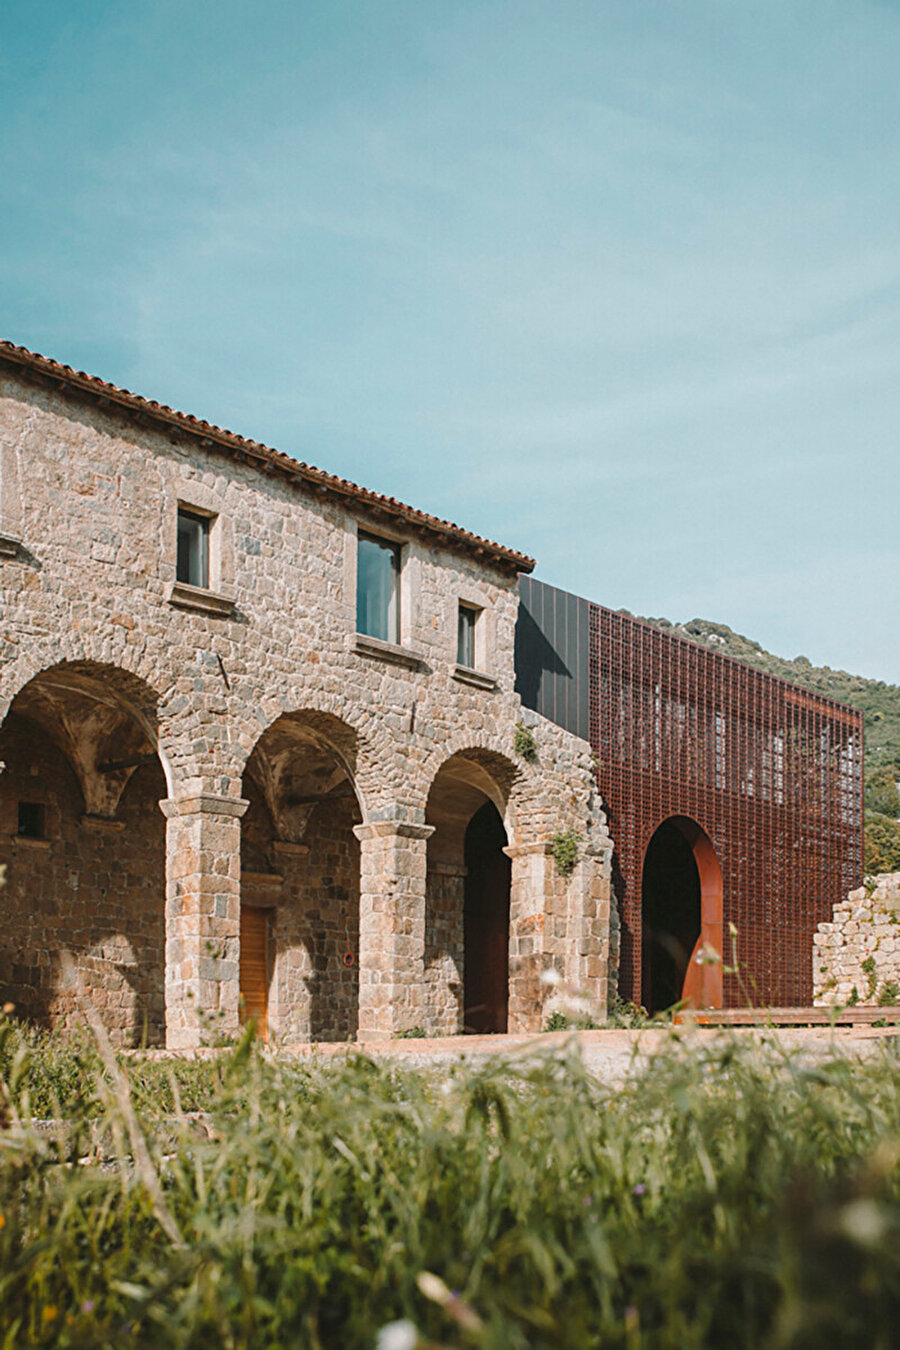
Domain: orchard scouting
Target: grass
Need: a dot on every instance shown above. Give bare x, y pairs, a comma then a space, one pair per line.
725, 1197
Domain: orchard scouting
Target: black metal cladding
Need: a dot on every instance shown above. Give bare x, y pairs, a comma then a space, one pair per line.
771, 772
553, 655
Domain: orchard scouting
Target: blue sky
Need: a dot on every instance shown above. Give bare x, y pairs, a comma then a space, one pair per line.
615, 283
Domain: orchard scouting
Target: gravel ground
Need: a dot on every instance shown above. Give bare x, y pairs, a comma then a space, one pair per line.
613, 1054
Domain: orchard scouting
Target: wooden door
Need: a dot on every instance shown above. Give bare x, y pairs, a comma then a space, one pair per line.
254, 971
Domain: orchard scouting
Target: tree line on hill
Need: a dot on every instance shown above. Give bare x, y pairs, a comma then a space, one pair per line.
878, 702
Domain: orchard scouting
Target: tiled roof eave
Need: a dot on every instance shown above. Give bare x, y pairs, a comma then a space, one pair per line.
269, 459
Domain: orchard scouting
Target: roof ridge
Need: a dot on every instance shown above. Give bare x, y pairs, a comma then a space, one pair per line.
488, 549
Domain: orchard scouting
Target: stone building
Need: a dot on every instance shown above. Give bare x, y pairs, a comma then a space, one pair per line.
257, 733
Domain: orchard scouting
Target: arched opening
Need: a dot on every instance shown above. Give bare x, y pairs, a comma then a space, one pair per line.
467, 896
83, 840
299, 975
681, 910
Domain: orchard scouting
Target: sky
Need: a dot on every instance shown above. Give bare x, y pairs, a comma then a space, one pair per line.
614, 283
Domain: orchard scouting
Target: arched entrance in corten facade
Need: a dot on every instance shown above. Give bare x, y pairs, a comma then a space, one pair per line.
468, 896
83, 840
299, 969
681, 911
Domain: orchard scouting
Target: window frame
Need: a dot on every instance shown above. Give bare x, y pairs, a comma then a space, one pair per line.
206, 520
470, 632
395, 601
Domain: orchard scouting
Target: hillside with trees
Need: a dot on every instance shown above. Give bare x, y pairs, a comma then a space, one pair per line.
878, 702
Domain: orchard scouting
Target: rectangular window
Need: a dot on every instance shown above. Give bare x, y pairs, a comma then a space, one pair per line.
193, 549
378, 588
465, 637
31, 820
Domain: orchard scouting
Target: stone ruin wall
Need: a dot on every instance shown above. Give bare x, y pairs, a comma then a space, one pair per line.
856, 957
97, 662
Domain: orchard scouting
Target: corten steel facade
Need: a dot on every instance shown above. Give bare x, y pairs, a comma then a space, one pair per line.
770, 772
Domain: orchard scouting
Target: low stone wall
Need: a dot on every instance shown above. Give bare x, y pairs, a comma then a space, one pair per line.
856, 957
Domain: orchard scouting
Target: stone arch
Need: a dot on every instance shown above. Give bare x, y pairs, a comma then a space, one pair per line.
380, 775
466, 961
300, 877
681, 910
489, 770
84, 843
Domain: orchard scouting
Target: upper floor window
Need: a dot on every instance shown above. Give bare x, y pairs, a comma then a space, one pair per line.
378, 588
192, 566
465, 636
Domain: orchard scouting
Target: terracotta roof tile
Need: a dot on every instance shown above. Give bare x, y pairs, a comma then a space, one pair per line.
241, 446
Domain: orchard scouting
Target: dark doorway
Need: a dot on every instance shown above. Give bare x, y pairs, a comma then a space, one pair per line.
486, 923
670, 909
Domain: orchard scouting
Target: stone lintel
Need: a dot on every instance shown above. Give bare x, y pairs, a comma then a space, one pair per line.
262, 879
392, 652
527, 850
383, 829
184, 596
479, 679
204, 804
108, 824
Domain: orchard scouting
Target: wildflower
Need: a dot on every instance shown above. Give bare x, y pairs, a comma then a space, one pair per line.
400, 1335
9, 1009
639, 1189
50, 1313
2, 1220
87, 1306
433, 1287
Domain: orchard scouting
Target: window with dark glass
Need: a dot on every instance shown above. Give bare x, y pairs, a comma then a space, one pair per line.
192, 566
378, 588
31, 820
465, 637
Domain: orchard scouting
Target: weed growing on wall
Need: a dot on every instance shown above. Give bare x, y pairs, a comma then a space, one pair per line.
524, 744
565, 851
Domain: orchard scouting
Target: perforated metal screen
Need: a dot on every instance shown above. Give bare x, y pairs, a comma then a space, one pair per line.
771, 772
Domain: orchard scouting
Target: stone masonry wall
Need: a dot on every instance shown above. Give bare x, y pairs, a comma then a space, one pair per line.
856, 957
93, 624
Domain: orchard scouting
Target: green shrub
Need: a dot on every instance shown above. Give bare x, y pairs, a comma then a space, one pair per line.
881, 792
882, 844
